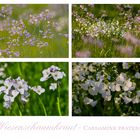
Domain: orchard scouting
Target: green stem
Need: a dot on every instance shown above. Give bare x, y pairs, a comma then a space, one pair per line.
8, 112
44, 109
58, 106
20, 114
19, 69
58, 103
19, 110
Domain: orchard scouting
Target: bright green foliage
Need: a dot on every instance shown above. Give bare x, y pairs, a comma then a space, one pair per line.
34, 30
38, 105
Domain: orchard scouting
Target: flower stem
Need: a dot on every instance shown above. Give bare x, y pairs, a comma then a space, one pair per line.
19, 110
44, 109
58, 103
58, 106
20, 114
19, 69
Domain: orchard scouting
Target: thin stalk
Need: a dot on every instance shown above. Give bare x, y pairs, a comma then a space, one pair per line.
58, 106
20, 114
19, 69
19, 110
58, 103
44, 109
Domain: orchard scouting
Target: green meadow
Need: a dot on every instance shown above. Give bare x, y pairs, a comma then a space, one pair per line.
34, 30
106, 30
49, 103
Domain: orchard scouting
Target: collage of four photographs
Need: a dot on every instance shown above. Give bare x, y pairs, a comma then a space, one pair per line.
42, 88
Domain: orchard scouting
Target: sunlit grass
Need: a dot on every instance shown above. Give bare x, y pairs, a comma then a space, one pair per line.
106, 30
55, 27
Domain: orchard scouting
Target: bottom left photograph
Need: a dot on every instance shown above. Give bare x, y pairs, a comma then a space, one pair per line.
34, 89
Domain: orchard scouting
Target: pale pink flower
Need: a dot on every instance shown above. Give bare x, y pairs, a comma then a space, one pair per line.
83, 54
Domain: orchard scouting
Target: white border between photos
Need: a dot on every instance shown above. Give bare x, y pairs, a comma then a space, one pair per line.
130, 125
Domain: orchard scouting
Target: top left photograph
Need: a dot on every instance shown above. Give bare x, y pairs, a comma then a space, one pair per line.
34, 31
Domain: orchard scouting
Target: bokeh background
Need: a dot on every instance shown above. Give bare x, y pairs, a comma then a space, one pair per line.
47, 38
32, 72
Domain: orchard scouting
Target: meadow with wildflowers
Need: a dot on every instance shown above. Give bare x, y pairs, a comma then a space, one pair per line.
34, 89
106, 30
34, 30
105, 89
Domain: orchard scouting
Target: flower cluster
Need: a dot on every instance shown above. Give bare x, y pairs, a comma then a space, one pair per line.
103, 83
14, 87
29, 29
96, 27
17, 28
54, 73
108, 29
88, 24
43, 16
5, 11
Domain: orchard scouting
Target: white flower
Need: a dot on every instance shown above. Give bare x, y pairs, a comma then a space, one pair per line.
137, 75
125, 65
107, 95
54, 68
24, 97
103, 87
94, 103
118, 88
8, 98
38, 89
127, 85
127, 99
2, 89
8, 83
133, 86
121, 78
112, 86
46, 75
88, 101
7, 105
53, 86
138, 93
21, 85
52, 72
58, 75
12, 88
84, 86
93, 91
136, 100
14, 93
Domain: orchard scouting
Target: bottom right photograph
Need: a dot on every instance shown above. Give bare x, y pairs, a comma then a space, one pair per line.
105, 89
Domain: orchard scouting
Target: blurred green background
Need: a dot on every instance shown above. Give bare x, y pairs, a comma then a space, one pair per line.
58, 45
32, 72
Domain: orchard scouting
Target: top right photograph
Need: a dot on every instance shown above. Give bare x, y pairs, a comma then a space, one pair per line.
106, 30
